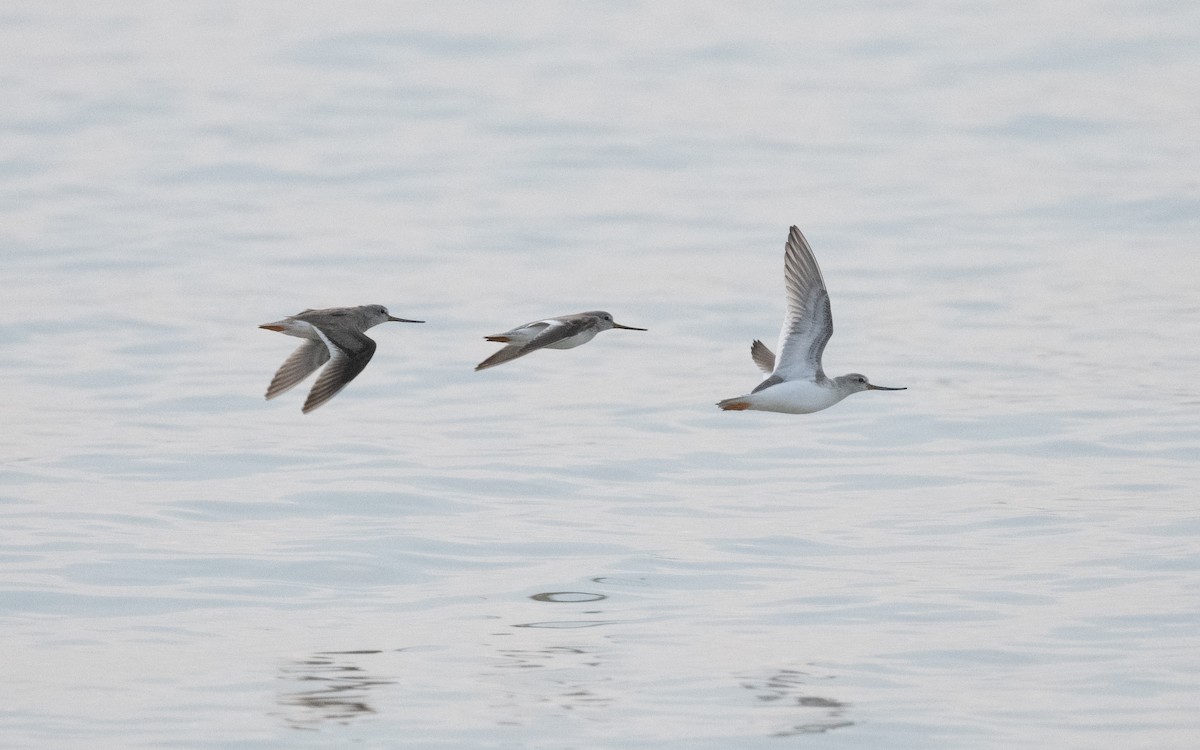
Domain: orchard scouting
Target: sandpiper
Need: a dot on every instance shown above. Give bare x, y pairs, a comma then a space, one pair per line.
333, 333
563, 332
796, 382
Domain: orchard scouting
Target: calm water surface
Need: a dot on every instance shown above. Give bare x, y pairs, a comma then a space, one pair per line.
578, 550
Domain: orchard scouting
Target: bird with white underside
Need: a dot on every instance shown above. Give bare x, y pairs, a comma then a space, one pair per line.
796, 382
562, 332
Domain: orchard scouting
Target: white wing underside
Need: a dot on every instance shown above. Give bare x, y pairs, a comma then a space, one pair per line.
808, 323
524, 334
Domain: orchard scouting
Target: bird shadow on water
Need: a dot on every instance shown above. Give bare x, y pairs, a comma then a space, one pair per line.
336, 689
788, 688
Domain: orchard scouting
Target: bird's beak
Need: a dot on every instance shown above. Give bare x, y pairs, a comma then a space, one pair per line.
404, 320
883, 388
627, 328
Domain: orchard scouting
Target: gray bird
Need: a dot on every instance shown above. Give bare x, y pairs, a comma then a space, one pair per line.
335, 333
563, 332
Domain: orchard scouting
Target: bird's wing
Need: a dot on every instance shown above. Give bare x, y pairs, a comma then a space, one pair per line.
351, 351
552, 330
521, 334
558, 329
762, 356
302, 363
808, 323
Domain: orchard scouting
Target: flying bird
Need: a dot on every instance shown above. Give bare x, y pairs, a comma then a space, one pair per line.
563, 332
334, 335
796, 383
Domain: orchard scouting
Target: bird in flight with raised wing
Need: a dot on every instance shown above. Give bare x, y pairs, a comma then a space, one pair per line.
796, 383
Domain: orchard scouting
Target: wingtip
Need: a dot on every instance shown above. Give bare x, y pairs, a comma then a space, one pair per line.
507, 354
489, 363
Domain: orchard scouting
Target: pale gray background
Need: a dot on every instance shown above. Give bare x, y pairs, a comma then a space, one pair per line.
1004, 199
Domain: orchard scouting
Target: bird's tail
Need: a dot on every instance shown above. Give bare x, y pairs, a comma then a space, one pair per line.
734, 404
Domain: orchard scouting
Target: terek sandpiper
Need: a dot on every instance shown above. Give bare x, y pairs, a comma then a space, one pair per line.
333, 333
796, 383
563, 332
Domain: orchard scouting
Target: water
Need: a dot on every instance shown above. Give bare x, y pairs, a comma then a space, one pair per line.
578, 550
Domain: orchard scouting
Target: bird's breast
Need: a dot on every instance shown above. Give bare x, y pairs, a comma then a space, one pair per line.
795, 397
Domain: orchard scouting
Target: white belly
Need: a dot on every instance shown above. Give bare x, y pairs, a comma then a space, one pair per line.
794, 397
573, 341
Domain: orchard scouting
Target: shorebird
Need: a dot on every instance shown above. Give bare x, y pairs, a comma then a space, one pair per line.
796, 382
333, 333
563, 332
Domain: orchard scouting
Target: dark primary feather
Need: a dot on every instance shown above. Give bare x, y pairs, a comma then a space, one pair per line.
762, 356
353, 352
773, 380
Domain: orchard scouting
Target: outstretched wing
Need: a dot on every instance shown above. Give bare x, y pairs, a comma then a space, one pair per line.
808, 323
351, 351
508, 353
558, 329
549, 331
302, 363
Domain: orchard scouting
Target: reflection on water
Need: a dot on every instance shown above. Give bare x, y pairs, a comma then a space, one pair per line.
788, 688
564, 624
573, 672
561, 680
335, 689
573, 681
568, 597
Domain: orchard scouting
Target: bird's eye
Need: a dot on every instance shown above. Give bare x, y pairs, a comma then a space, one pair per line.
862, 380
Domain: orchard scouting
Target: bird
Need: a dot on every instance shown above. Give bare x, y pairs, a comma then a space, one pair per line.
562, 332
796, 383
333, 333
